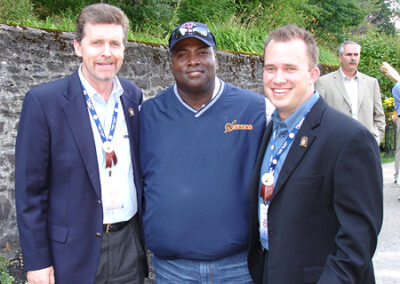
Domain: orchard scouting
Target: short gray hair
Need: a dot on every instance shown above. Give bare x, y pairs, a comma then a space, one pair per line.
341, 46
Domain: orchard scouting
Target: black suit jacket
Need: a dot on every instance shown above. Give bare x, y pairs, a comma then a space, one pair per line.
57, 182
326, 209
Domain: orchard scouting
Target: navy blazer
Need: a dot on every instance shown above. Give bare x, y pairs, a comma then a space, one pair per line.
57, 183
327, 206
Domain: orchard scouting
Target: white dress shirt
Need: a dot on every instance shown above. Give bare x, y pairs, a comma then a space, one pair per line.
351, 86
120, 187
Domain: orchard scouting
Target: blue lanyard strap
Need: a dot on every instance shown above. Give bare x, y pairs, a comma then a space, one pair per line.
275, 158
267, 179
107, 146
96, 120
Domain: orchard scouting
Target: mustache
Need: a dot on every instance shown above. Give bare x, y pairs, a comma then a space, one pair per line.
353, 61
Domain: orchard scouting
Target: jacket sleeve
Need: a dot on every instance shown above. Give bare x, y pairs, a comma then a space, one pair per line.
31, 184
320, 88
358, 203
379, 114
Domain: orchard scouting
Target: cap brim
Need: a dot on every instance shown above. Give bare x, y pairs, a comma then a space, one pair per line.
204, 40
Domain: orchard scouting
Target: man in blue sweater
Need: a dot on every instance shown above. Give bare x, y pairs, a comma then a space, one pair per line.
199, 141
396, 97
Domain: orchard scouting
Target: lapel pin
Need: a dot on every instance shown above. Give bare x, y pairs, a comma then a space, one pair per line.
303, 141
131, 112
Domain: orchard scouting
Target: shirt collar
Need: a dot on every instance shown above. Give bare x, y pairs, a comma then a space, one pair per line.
218, 88
295, 117
355, 77
117, 90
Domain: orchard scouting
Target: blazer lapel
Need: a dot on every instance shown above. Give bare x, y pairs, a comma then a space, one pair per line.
339, 85
299, 148
76, 113
362, 85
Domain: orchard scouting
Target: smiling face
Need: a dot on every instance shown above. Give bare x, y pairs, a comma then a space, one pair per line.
102, 51
194, 67
288, 80
350, 58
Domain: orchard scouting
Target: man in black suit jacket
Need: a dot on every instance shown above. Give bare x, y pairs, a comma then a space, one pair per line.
316, 192
78, 193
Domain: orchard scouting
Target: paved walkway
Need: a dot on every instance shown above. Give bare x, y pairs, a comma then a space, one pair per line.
387, 256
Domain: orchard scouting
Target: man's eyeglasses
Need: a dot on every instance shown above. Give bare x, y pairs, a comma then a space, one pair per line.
199, 31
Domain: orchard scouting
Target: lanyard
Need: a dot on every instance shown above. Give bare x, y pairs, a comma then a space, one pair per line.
273, 161
107, 145
267, 179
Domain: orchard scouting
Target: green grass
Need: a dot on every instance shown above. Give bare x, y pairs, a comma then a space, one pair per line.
385, 158
327, 56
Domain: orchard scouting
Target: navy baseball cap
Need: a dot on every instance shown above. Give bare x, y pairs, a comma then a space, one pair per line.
191, 29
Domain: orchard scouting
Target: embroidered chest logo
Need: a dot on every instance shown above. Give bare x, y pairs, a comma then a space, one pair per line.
233, 126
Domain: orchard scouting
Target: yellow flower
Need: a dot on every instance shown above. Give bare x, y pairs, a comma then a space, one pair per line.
388, 102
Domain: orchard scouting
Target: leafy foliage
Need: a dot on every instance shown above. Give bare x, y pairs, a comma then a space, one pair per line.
376, 48
206, 10
250, 38
285, 12
11, 10
382, 17
45, 8
157, 16
337, 16
5, 278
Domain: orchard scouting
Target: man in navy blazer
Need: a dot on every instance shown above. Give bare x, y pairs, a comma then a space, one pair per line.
77, 178
316, 192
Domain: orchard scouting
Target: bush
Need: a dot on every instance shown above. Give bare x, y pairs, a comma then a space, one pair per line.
45, 8
5, 278
376, 48
15, 11
234, 36
206, 10
154, 16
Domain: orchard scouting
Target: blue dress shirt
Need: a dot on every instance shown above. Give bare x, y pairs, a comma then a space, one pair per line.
280, 132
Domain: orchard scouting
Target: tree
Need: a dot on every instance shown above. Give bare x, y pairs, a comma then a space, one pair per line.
382, 17
337, 16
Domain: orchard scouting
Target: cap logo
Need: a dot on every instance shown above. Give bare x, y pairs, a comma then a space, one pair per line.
187, 28
191, 29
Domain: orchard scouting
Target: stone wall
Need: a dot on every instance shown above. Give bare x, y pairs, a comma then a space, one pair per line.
29, 57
